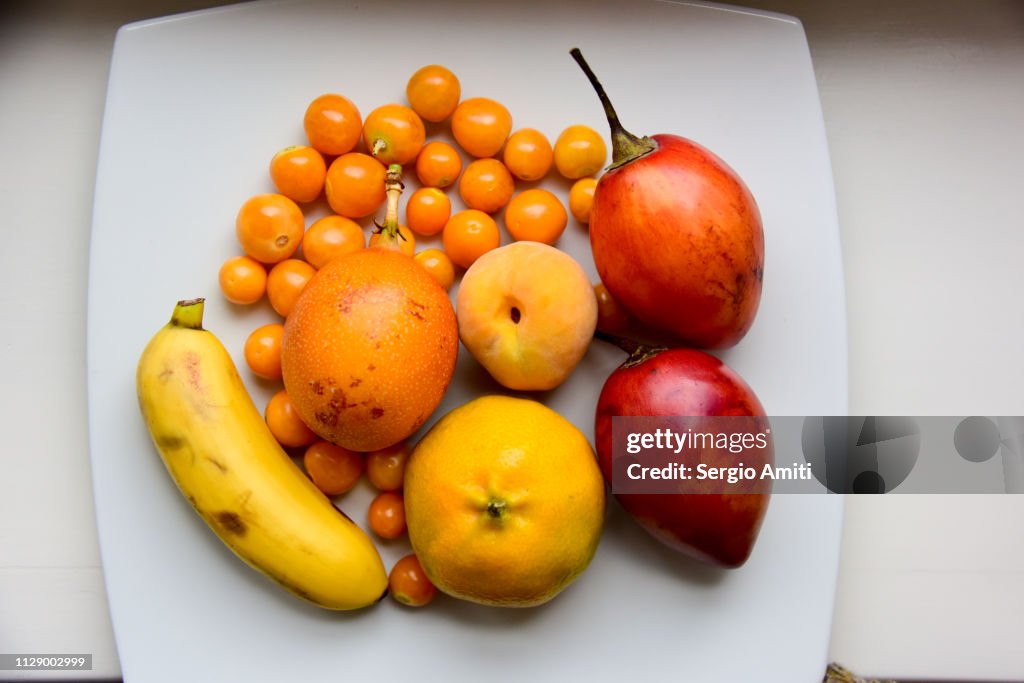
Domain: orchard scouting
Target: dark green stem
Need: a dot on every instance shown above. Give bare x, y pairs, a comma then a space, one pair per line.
638, 353
496, 508
625, 145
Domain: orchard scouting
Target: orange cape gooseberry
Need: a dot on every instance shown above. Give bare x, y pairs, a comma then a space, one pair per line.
440, 267
298, 172
438, 164
333, 124
355, 185
263, 351
528, 154
536, 215
581, 199
394, 134
433, 92
243, 280
427, 210
330, 237
468, 235
486, 185
579, 151
269, 227
481, 125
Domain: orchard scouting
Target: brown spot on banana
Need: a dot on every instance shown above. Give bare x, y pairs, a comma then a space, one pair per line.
218, 464
230, 522
192, 368
292, 587
298, 592
170, 442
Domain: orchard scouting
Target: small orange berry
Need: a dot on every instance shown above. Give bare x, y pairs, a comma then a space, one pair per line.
580, 151
263, 351
298, 173
269, 227
536, 215
528, 154
385, 468
611, 316
481, 126
333, 124
333, 469
285, 282
468, 235
355, 185
427, 211
387, 515
433, 92
408, 583
331, 237
394, 134
440, 267
581, 199
243, 280
438, 164
285, 424
486, 185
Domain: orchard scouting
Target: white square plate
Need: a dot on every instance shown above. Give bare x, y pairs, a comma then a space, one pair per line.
198, 104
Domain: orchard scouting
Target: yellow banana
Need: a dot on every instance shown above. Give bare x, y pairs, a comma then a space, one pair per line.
224, 459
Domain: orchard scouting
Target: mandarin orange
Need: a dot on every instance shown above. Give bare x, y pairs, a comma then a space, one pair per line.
504, 502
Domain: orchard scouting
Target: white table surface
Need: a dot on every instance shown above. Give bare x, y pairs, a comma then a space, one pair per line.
922, 104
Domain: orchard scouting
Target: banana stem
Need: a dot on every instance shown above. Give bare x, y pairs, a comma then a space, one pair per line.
188, 313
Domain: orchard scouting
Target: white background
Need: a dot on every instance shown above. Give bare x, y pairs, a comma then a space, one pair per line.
922, 105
